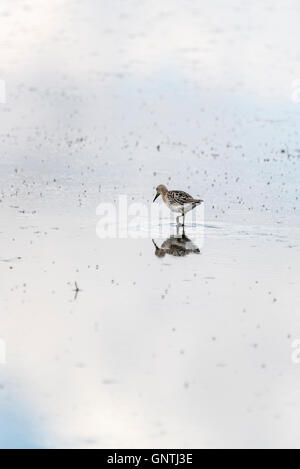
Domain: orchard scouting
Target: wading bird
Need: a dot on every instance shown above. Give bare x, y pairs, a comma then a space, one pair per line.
177, 201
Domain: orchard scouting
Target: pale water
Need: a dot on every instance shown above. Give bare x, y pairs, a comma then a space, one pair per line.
113, 98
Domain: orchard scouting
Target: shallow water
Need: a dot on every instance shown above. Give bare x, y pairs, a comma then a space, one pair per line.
159, 347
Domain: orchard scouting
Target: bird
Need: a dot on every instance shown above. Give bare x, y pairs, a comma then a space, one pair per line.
177, 201
178, 246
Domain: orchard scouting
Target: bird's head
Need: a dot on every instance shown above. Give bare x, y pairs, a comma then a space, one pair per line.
160, 190
158, 251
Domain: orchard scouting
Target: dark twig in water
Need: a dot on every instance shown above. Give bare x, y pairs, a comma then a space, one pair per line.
77, 290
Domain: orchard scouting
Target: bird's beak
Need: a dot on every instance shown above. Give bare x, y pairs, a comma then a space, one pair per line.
156, 247
157, 195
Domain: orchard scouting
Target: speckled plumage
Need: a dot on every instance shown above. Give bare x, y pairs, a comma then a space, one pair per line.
177, 201
178, 246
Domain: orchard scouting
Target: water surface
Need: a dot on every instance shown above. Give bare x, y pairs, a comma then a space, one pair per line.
154, 349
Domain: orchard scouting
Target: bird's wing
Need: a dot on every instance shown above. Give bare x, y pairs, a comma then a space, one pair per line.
180, 197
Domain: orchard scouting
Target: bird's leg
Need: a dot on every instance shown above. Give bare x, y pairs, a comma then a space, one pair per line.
177, 219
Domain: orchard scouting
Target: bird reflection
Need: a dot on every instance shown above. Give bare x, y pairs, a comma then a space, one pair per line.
177, 245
